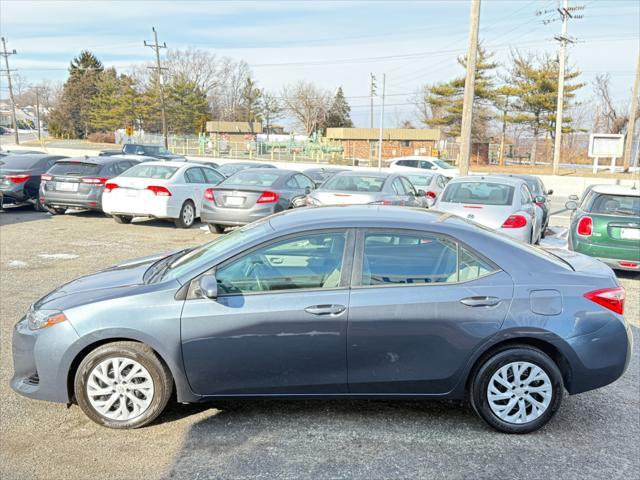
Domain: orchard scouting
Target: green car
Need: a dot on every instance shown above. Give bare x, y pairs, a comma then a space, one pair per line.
605, 224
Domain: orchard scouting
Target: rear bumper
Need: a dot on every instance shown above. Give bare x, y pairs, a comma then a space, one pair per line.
235, 216
92, 200
599, 358
521, 234
158, 207
611, 255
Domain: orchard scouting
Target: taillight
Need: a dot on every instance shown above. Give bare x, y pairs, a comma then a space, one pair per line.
18, 178
268, 197
585, 227
628, 264
94, 180
159, 190
431, 195
611, 298
515, 221
208, 194
110, 186
46, 178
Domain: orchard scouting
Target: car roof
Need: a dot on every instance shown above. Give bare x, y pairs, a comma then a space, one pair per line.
326, 169
277, 171
32, 156
513, 181
171, 164
364, 173
246, 163
352, 215
98, 160
615, 190
516, 175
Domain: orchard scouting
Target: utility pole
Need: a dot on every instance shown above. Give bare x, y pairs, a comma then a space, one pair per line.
6, 54
566, 14
469, 89
384, 78
372, 93
37, 89
156, 47
631, 124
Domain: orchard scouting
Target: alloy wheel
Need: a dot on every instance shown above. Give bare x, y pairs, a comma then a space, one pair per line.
188, 214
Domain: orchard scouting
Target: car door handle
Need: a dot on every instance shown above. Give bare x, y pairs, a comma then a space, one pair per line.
325, 309
480, 301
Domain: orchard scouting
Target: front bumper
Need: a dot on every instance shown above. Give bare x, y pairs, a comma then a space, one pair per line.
235, 216
599, 358
41, 361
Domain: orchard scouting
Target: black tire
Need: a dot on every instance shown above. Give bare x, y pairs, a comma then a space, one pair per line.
57, 210
141, 353
184, 220
482, 376
39, 206
216, 228
123, 218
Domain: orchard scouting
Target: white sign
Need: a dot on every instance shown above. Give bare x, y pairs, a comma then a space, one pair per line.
606, 145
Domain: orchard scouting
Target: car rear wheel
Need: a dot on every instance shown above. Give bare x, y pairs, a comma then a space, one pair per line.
187, 215
215, 228
123, 218
517, 390
122, 385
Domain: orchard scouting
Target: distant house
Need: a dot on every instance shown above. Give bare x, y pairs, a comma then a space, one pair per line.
233, 131
396, 142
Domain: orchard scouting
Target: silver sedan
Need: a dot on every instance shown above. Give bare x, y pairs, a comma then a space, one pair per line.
431, 183
504, 204
360, 188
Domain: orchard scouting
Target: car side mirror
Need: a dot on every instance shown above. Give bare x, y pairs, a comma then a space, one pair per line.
573, 197
571, 205
422, 193
207, 287
539, 199
550, 192
307, 190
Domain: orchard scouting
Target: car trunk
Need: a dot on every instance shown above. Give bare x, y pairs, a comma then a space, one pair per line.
582, 263
616, 230
238, 197
492, 216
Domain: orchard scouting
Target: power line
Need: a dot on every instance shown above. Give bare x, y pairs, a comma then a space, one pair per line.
6, 54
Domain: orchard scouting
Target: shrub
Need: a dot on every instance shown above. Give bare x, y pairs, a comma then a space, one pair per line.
102, 137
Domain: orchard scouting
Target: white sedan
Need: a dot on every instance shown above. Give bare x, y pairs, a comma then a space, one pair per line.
417, 163
167, 190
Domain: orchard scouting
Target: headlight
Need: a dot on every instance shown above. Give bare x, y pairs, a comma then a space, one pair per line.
37, 319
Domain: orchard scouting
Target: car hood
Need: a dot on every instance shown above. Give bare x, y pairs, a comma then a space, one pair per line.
114, 281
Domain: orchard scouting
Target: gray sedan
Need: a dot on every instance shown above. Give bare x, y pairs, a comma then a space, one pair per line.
364, 302
79, 182
430, 183
251, 194
372, 188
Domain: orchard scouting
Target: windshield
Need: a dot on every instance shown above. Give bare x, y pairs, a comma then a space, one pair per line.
420, 180
160, 172
353, 183
19, 161
74, 168
478, 193
250, 177
204, 256
623, 205
442, 164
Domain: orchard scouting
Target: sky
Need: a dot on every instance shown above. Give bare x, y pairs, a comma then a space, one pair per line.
331, 43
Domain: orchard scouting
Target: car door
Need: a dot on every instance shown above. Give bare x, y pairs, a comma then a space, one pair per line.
278, 325
197, 182
420, 303
401, 196
534, 212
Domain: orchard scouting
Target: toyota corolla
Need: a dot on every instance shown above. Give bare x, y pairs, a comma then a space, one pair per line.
332, 302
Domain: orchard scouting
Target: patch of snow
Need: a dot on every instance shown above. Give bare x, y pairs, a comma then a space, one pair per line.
58, 256
17, 264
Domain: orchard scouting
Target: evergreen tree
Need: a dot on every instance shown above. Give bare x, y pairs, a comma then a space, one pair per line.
339, 112
187, 107
115, 104
445, 100
250, 102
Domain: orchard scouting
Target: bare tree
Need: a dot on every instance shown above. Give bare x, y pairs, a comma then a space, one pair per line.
308, 104
270, 109
610, 117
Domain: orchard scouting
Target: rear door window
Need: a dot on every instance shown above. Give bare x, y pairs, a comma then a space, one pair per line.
212, 176
398, 187
407, 186
194, 175
304, 182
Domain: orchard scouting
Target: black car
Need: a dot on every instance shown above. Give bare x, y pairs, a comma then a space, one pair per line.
20, 177
320, 175
79, 182
540, 196
155, 151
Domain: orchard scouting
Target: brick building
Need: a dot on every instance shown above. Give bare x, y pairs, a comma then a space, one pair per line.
233, 131
396, 142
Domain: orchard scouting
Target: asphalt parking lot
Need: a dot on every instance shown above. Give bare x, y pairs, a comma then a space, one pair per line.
595, 435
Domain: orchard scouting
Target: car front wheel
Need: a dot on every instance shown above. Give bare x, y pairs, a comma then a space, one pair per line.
517, 390
122, 385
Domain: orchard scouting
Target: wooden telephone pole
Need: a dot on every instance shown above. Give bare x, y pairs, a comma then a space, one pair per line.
14, 121
631, 125
156, 47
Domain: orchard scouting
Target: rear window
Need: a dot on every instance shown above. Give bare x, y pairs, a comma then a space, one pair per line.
479, 193
160, 172
352, 183
420, 180
616, 205
19, 161
74, 168
249, 177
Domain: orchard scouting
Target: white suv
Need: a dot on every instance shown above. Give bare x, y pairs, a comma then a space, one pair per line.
433, 164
